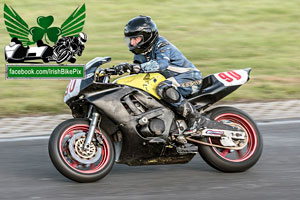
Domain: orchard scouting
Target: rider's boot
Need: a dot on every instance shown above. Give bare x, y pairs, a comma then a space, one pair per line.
196, 121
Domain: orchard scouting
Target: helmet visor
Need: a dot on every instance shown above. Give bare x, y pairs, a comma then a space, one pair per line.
134, 41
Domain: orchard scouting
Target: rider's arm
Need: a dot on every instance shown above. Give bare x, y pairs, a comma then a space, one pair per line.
161, 62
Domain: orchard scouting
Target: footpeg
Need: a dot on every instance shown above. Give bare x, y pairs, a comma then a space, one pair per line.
181, 139
157, 140
185, 149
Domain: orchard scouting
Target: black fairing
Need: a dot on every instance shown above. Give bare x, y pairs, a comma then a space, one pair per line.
80, 106
135, 147
212, 91
90, 71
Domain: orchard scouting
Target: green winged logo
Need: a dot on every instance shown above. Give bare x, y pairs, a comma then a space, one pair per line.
18, 28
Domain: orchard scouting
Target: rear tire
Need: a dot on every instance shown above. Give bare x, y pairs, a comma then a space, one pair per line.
45, 60
64, 161
237, 160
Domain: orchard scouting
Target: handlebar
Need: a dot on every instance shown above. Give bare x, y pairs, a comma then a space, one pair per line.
107, 71
117, 70
103, 74
110, 71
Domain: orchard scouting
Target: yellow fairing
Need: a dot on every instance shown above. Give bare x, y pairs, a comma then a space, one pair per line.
145, 81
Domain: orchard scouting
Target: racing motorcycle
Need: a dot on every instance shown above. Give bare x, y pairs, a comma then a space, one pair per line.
62, 53
126, 122
16, 52
66, 51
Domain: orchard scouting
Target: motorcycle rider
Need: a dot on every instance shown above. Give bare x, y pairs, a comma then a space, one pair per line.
153, 53
76, 44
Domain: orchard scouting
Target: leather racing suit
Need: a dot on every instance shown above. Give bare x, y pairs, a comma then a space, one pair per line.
182, 77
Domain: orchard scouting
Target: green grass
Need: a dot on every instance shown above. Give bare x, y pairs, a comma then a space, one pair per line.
216, 35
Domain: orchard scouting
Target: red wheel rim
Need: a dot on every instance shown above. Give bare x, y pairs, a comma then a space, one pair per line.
248, 150
75, 165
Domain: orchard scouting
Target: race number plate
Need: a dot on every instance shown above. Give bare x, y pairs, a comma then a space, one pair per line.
73, 89
232, 78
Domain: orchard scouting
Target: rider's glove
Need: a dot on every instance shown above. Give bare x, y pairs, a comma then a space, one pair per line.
135, 69
126, 67
99, 71
121, 68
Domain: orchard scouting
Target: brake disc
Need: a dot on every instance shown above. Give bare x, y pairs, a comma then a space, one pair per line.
85, 156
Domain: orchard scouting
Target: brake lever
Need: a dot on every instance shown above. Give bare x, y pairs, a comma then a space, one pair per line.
110, 71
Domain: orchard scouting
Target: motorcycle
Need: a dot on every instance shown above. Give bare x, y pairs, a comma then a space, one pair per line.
126, 122
65, 50
15, 52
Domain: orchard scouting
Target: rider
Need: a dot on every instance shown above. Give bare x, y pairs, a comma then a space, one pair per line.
153, 53
76, 43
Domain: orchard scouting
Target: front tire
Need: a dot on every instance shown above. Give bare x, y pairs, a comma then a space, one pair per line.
63, 56
71, 160
72, 60
227, 160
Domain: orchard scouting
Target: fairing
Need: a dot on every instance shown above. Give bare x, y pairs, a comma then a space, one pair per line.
110, 103
75, 86
217, 86
145, 81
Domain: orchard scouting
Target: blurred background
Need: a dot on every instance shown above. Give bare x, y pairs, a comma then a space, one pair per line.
216, 35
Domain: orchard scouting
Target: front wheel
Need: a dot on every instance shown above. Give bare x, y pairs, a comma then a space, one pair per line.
63, 56
227, 160
78, 164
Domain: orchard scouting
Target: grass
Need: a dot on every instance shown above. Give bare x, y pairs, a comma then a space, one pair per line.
216, 35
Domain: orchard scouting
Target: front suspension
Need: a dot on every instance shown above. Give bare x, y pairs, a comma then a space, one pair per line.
92, 128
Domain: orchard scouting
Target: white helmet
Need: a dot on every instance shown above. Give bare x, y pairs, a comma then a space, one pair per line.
82, 37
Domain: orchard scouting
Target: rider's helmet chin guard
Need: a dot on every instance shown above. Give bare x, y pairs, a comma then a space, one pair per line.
141, 26
11, 44
82, 37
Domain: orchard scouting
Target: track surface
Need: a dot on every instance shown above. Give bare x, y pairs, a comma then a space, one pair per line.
27, 173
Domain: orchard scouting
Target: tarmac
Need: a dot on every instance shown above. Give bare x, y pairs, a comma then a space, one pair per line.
13, 127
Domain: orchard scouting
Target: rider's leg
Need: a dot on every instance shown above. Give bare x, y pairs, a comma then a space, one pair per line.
174, 98
183, 107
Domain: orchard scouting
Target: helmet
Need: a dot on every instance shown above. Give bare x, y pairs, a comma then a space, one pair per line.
144, 27
82, 37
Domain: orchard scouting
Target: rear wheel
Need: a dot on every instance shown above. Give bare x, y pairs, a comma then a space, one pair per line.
227, 160
70, 159
45, 59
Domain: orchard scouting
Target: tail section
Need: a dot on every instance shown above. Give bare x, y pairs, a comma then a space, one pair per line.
217, 86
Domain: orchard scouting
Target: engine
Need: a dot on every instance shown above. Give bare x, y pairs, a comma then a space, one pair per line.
155, 127
155, 119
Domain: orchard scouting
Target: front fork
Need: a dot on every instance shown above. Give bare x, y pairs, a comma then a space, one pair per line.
93, 124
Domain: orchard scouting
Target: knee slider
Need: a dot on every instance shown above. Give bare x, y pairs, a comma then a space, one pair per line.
172, 94
168, 93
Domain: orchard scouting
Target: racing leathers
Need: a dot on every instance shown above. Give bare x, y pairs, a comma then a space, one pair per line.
182, 79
